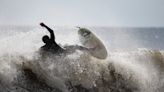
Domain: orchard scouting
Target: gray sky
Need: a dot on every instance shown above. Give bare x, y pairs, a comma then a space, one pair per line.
83, 12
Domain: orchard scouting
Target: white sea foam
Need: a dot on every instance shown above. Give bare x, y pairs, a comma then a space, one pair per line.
143, 69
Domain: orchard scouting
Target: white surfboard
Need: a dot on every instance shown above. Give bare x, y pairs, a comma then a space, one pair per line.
91, 41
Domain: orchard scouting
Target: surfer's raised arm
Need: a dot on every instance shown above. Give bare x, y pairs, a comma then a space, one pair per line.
52, 36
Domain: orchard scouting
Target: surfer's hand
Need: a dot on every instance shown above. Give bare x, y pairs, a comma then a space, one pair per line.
42, 24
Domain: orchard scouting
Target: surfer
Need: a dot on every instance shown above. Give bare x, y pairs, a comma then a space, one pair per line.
50, 44
90, 42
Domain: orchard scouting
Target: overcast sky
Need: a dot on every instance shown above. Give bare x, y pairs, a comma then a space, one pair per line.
83, 12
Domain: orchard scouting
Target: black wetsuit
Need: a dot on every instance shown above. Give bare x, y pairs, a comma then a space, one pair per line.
51, 46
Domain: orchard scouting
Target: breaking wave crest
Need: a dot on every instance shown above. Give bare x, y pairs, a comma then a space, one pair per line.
22, 69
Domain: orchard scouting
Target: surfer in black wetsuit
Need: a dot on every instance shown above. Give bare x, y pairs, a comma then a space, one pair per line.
50, 44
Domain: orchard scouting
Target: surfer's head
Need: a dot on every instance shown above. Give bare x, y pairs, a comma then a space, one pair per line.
45, 39
84, 32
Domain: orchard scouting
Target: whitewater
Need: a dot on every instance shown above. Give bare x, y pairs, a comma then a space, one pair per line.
127, 69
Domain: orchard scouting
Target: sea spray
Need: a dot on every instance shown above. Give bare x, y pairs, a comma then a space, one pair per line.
23, 69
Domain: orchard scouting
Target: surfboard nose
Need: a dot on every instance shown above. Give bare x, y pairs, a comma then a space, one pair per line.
78, 27
83, 31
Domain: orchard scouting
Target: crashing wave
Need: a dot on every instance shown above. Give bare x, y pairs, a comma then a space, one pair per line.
79, 72
22, 69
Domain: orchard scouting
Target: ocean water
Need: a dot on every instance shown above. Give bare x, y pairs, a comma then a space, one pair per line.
135, 62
